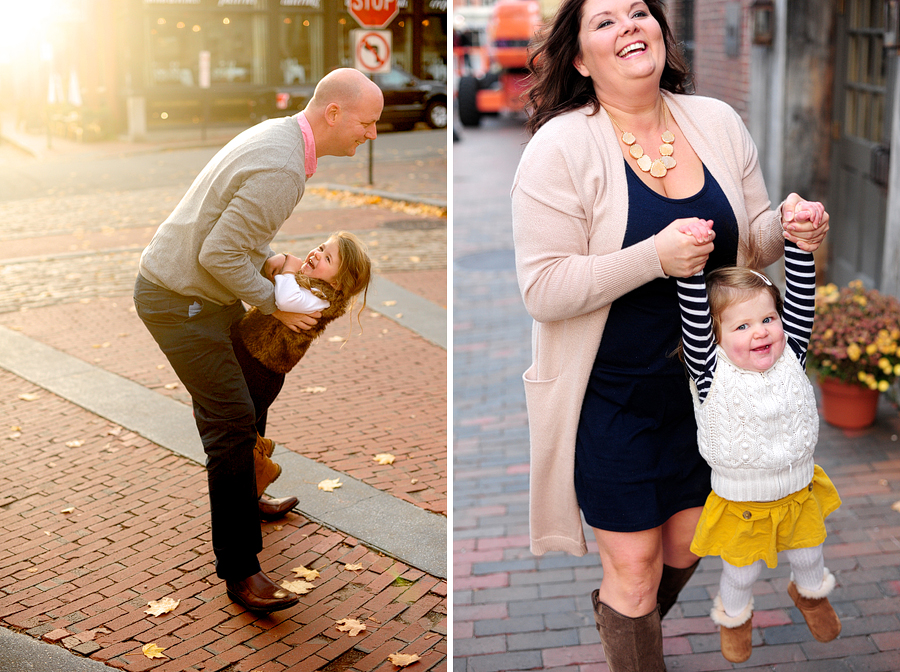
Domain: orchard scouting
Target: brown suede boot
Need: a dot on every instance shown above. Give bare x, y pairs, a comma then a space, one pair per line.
264, 445
267, 471
820, 616
670, 585
735, 634
630, 644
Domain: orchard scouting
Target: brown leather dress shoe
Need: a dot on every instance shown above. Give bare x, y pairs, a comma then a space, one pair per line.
260, 593
273, 509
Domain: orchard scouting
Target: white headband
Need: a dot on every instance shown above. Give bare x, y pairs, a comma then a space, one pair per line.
761, 277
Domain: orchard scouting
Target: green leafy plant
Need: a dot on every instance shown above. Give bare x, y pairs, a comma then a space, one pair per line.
855, 336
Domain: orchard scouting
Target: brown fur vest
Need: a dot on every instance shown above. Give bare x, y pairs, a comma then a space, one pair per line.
277, 347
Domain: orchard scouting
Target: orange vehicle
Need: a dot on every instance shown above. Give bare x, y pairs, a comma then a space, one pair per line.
511, 26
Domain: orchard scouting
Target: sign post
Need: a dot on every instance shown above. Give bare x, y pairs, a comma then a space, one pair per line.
373, 47
203, 72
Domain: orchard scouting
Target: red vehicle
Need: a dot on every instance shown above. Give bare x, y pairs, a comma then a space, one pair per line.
510, 29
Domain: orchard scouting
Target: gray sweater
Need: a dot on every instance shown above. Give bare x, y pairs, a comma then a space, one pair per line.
215, 242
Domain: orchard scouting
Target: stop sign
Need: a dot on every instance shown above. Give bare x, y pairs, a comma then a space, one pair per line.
373, 13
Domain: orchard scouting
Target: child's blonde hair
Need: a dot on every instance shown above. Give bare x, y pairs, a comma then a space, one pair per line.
729, 285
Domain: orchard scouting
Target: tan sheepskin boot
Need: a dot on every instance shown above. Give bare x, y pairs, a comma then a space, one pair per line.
820, 616
267, 471
735, 633
629, 644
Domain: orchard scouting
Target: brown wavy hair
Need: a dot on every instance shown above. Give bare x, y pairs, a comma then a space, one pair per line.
557, 87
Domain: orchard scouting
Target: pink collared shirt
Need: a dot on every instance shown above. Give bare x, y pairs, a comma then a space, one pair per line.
309, 146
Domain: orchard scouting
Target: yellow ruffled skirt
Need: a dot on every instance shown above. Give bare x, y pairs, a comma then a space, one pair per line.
743, 532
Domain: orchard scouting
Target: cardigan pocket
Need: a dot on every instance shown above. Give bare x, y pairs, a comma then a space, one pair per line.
547, 342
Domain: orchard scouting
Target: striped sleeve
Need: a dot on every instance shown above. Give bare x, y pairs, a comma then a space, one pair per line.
799, 298
696, 330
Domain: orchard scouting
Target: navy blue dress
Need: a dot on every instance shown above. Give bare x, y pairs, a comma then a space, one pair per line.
636, 456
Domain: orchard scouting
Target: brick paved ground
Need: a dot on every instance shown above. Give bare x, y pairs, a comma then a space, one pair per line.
515, 611
139, 525
138, 530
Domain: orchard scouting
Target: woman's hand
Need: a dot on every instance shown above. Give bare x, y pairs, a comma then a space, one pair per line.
297, 321
681, 254
804, 222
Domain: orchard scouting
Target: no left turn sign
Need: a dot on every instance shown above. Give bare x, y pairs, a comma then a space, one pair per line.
373, 50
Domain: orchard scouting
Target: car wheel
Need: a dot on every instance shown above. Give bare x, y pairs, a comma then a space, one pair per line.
436, 114
467, 97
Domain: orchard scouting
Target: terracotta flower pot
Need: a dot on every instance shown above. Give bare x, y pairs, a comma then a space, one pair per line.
846, 405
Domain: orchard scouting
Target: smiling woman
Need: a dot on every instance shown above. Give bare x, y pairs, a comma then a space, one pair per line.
598, 245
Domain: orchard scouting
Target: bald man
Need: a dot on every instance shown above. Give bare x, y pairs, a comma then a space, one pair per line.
206, 259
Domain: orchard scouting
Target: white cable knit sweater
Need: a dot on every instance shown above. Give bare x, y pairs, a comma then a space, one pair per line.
758, 431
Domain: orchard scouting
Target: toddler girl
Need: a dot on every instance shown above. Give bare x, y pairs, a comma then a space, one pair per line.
327, 280
757, 427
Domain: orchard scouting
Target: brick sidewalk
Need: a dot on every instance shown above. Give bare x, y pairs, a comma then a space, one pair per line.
138, 530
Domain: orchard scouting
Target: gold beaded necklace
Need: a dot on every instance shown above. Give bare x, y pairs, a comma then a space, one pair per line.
666, 160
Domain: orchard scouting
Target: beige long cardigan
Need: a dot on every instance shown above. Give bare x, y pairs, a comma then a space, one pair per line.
570, 210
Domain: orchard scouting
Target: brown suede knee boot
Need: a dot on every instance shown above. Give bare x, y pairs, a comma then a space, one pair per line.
670, 585
629, 644
267, 471
264, 445
820, 616
735, 633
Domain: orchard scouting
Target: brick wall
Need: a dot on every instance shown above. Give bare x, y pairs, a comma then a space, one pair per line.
716, 74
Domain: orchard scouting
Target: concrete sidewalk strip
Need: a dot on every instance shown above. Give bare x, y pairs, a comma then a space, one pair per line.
360, 510
418, 314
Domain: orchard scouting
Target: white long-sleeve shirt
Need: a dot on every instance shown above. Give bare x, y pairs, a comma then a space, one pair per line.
292, 298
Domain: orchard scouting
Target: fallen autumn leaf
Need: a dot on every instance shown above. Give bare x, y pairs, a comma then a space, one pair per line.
353, 568
384, 458
350, 625
403, 659
160, 607
29, 396
153, 651
329, 484
306, 573
299, 587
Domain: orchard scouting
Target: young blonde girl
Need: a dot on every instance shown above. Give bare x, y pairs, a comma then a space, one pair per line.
326, 281
757, 427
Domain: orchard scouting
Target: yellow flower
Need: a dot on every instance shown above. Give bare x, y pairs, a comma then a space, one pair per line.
853, 352
897, 369
871, 348
861, 300
885, 365
862, 376
883, 386
828, 334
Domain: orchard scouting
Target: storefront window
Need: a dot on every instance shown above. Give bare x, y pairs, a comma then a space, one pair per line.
434, 42
300, 48
235, 43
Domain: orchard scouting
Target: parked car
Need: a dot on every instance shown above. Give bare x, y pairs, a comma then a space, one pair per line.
407, 100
